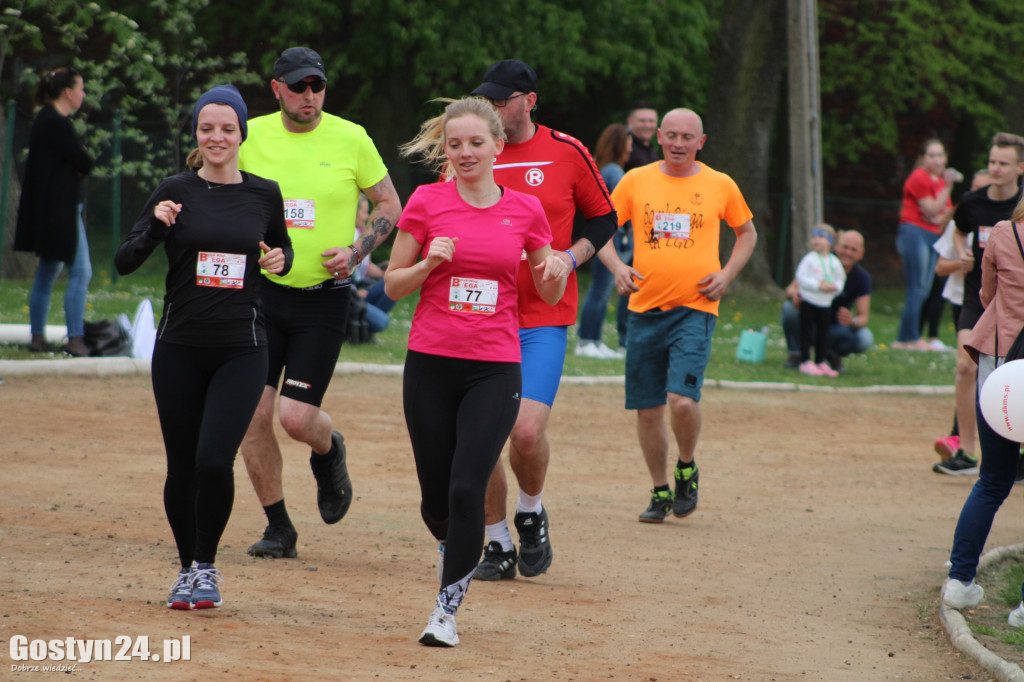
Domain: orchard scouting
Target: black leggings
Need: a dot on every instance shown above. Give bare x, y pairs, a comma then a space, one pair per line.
814, 324
932, 307
205, 398
459, 414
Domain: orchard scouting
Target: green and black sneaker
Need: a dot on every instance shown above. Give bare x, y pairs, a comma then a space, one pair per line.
960, 464
686, 491
661, 503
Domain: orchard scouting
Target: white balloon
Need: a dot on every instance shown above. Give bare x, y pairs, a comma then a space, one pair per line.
1002, 400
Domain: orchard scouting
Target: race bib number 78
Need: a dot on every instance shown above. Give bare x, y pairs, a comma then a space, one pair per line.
222, 270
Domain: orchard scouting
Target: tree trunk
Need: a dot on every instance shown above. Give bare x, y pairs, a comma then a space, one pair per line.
749, 62
15, 263
394, 117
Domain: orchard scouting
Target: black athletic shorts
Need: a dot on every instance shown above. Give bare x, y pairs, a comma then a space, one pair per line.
305, 330
970, 312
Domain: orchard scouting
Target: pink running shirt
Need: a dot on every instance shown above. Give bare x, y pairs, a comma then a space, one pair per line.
469, 308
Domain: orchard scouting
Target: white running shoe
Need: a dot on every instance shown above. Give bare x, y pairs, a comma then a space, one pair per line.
937, 345
1016, 618
958, 595
440, 630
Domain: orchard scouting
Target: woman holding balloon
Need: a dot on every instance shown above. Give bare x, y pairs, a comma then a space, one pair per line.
1002, 294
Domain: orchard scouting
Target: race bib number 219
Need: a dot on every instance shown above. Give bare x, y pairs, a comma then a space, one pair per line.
671, 225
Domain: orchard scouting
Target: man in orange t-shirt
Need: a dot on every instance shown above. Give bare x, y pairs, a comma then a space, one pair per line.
674, 287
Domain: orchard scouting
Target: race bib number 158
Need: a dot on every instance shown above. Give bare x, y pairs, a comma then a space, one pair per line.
300, 213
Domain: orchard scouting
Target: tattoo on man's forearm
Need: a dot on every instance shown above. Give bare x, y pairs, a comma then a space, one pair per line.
384, 200
380, 228
587, 248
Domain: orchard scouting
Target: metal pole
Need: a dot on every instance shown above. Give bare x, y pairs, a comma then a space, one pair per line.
814, 122
5, 183
804, 123
115, 194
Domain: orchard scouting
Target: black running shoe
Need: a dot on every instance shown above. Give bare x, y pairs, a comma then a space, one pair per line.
277, 542
686, 491
957, 465
496, 564
1020, 470
661, 504
333, 486
534, 544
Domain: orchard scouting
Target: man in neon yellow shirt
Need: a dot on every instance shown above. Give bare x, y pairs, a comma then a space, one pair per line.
674, 286
321, 162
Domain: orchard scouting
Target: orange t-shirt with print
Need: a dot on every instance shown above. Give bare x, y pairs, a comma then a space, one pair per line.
676, 228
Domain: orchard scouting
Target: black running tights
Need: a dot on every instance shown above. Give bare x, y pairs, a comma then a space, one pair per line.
459, 414
205, 397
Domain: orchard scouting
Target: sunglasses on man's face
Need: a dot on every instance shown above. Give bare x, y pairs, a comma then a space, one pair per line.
316, 86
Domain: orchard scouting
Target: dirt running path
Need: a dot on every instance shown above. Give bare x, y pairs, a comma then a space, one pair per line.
816, 552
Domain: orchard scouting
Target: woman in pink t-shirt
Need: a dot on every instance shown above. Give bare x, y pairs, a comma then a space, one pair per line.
462, 381
925, 211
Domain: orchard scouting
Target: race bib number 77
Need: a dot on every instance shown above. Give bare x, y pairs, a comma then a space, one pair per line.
470, 295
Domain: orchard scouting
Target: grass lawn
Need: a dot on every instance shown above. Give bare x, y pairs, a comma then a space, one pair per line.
881, 365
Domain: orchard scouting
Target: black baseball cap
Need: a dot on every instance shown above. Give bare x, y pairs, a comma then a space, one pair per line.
297, 63
506, 77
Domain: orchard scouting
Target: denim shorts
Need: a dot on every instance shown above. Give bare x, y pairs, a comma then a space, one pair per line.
667, 351
543, 351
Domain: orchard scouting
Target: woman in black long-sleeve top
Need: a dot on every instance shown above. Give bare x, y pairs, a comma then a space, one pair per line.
50, 211
210, 358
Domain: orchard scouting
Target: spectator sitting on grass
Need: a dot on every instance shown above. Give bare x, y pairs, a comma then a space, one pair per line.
848, 332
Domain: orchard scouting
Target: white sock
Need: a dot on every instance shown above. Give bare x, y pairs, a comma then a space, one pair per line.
498, 532
528, 504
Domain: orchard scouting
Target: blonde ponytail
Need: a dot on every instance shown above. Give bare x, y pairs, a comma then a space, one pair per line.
429, 142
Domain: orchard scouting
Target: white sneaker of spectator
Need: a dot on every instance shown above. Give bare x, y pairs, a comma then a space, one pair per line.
959, 595
1016, 618
597, 350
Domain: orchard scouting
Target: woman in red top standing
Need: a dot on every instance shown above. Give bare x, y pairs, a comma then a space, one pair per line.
926, 210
